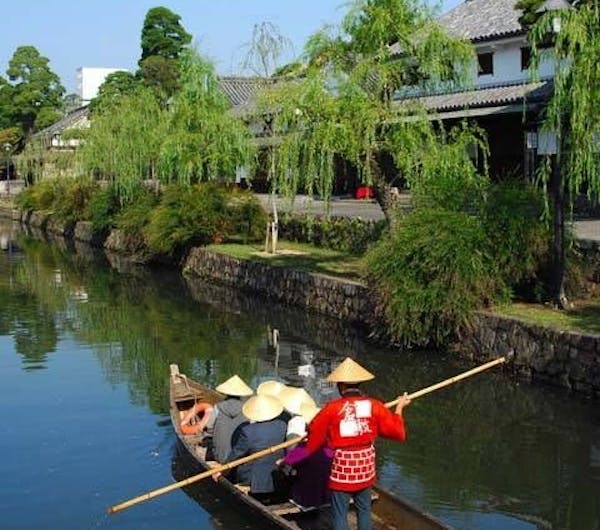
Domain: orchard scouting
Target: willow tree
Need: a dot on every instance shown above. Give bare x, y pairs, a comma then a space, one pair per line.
572, 114
342, 104
203, 140
124, 140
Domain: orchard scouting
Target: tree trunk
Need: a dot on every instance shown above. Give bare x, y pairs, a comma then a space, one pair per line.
557, 274
385, 194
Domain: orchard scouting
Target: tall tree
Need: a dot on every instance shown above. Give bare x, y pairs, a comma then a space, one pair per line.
163, 40
572, 114
115, 86
203, 140
343, 103
163, 34
36, 90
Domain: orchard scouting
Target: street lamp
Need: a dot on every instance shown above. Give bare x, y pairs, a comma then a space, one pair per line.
7, 148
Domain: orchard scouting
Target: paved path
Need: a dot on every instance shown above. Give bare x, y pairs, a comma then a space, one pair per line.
368, 209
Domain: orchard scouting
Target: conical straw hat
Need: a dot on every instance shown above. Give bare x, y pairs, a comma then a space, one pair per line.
292, 398
234, 386
262, 408
350, 372
270, 388
308, 412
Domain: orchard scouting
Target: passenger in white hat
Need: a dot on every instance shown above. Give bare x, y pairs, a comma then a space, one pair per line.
221, 419
292, 399
265, 428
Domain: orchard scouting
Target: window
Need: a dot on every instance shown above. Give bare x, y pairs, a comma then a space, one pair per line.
525, 58
486, 63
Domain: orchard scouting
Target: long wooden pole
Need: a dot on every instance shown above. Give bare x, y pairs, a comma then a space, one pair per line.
452, 380
288, 443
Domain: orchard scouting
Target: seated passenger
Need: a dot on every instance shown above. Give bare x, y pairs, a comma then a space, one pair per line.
264, 429
309, 488
292, 399
222, 418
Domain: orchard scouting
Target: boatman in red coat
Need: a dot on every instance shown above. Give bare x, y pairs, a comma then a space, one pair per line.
349, 426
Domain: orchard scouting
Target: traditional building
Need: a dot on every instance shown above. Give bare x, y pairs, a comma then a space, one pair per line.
502, 97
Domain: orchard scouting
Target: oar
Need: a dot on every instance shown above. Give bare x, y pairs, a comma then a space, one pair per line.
288, 443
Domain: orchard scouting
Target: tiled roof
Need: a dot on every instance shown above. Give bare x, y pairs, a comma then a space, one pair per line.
241, 90
484, 97
479, 20
76, 118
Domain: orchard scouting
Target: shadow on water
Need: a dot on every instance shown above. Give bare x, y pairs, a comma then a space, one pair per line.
224, 509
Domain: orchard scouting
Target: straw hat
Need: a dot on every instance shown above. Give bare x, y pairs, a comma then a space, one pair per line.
262, 408
234, 386
292, 399
350, 372
270, 388
308, 412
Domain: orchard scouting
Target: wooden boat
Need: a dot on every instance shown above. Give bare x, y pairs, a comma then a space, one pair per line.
389, 511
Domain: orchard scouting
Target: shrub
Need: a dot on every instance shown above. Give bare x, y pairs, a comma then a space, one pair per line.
338, 233
188, 215
102, 209
71, 198
517, 236
247, 217
431, 273
135, 216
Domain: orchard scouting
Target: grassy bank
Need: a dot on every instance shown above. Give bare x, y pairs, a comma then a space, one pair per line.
300, 256
584, 317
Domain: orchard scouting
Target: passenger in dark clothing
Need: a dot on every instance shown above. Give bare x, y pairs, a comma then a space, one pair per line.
221, 419
264, 429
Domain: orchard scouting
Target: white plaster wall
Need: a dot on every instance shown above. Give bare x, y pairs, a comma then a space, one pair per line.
89, 80
507, 64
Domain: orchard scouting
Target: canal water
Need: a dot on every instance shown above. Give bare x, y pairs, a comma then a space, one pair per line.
85, 347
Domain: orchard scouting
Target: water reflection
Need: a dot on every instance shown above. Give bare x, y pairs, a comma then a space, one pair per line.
486, 454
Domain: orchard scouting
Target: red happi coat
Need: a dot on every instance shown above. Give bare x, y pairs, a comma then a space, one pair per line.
349, 426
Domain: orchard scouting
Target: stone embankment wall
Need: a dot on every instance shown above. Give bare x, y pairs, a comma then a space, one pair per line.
564, 359
349, 301
561, 358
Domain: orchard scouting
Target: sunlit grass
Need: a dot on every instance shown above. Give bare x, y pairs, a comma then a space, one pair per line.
584, 317
300, 256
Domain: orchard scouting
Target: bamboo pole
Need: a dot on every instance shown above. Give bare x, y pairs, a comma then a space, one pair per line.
288, 443
452, 380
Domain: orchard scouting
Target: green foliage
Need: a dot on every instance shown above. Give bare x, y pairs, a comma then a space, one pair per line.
135, 215
432, 272
71, 198
36, 94
353, 235
247, 217
66, 198
123, 142
530, 13
102, 209
573, 108
517, 236
115, 86
187, 215
203, 141
163, 34
342, 104
161, 74
438, 165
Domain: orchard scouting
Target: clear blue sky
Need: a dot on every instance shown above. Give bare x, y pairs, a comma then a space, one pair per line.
106, 33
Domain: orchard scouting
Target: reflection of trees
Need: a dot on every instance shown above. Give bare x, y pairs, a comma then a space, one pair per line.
490, 445
138, 324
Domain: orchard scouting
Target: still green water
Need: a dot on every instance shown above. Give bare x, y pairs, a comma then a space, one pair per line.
85, 348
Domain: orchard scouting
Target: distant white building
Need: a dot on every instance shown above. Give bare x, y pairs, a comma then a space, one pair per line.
89, 80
